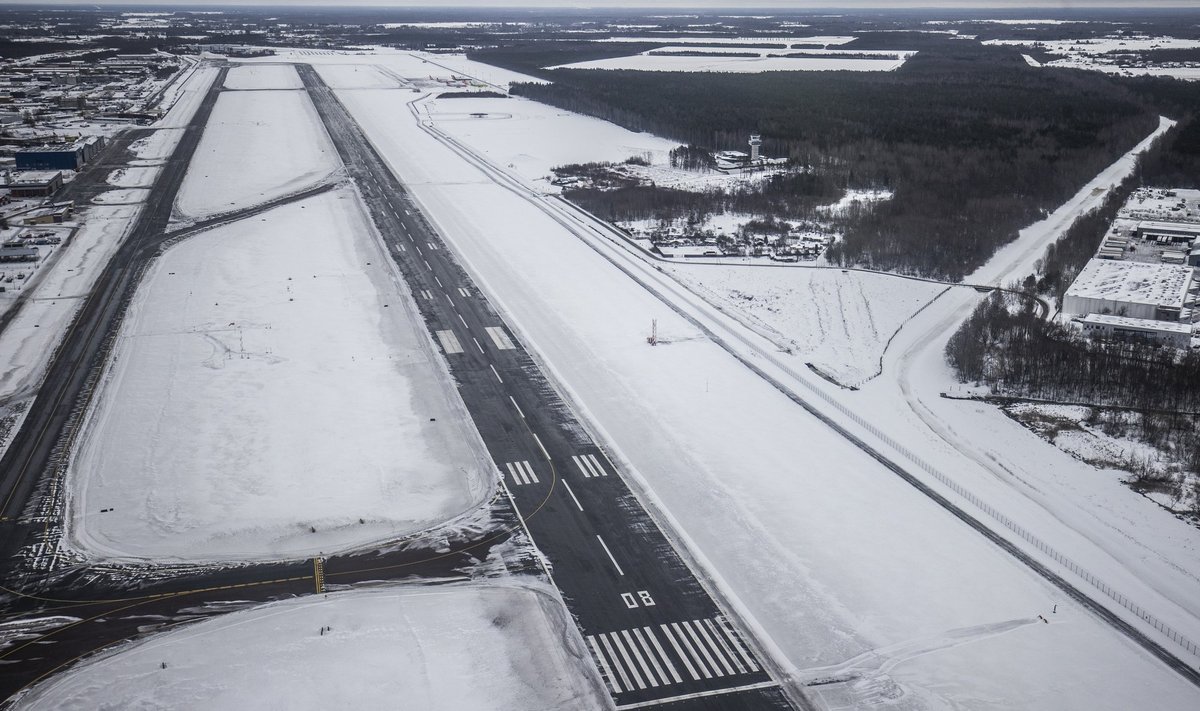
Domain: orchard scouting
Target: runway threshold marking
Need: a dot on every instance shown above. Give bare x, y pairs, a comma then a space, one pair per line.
704, 649
610, 556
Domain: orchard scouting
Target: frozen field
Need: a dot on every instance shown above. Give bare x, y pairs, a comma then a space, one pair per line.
263, 76
823, 40
922, 610
1092, 54
744, 65
478, 646
258, 145
529, 138
273, 394
839, 321
413, 66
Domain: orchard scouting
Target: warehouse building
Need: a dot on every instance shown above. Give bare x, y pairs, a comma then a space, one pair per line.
60, 157
1135, 289
1178, 335
37, 183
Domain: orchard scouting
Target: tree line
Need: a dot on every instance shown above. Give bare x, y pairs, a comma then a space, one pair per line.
973, 143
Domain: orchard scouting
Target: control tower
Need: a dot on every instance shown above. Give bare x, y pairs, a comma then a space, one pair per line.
755, 143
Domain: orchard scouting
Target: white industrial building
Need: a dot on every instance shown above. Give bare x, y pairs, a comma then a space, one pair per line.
1170, 333
1135, 289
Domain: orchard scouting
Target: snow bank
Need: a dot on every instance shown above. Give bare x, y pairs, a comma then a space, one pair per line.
840, 321
258, 145
262, 387
829, 554
263, 76
477, 646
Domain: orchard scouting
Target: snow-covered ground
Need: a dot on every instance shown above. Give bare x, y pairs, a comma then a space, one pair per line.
480, 646
823, 40
258, 145
836, 561
840, 321
263, 76
529, 138
273, 394
648, 62
1093, 54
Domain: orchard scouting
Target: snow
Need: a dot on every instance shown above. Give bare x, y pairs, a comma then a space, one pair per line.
468, 646
410, 66
742, 474
743, 65
825, 40
530, 138
258, 145
260, 388
840, 321
1093, 54
1131, 282
263, 76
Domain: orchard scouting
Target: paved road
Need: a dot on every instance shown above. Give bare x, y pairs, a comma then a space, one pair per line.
654, 631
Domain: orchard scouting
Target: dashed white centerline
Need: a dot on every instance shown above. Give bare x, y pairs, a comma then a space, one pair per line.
541, 447
572, 493
495, 373
460, 318
427, 264
610, 556
514, 402
477, 344
439, 282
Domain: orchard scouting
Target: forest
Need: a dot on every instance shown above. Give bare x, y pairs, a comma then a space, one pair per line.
973, 142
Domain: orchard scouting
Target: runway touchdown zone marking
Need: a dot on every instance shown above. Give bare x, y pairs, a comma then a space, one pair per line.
500, 338
450, 342
589, 466
520, 473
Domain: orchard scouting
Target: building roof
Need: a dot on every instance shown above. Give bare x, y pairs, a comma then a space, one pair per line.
1190, 228
33, 177
19, 252
1133, 282
1138, 324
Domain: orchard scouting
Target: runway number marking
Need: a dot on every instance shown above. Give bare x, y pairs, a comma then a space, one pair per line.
641, 599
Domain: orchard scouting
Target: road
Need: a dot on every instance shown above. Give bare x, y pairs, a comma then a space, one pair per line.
656, 633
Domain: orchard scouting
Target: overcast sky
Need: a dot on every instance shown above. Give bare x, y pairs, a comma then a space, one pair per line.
731, 5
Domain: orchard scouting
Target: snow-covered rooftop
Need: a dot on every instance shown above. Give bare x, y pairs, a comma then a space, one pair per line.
1169, 227
1140, 324
1133, 282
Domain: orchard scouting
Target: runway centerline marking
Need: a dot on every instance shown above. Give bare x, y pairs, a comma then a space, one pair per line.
514, 402
610, 556
495, 373
573, 497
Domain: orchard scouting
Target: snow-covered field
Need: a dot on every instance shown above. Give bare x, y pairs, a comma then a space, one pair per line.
263, 76
273, 394
258, 145
824, 40
529, 138
452, 647
840, 321
647, 62
834, 559
1092, 54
